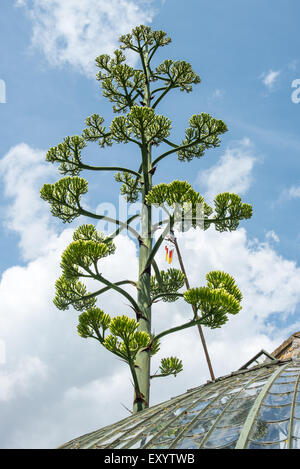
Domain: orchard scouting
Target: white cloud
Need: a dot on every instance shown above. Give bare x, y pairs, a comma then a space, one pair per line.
218, 94
294, 192
58, 386
24, 379
75, 32
233, 172
270, 78
27, 215
287, 194
272, 236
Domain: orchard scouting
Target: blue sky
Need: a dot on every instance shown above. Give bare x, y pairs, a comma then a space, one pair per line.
247, 55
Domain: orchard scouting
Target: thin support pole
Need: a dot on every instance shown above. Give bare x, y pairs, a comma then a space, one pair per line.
174, 240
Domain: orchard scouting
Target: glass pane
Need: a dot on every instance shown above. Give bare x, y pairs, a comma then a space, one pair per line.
296, 428
162, 444
269, 432
182, 407
278, 399
199, 427
242, 403
168, 434
231, 446
213, 395
132, 435
272, 414
290, 374
252, 391
185, 419
163, 418
224, 400
222, 437
189, 443
111, 438
282, 387
234, 389
184, 403
140, 443
234, 418
297, 411
296, 443
285, 379
132, 423
201, 405
144, 433
257, 383
212, 411
298, 396
153, 428
279, 445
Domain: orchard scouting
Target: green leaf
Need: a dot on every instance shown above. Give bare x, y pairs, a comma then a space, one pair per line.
64, 197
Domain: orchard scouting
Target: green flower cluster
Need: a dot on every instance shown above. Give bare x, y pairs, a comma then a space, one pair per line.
214, 302
80, 259
168, 285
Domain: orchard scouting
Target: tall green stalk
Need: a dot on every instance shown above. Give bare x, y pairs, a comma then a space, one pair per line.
142, 363
136, 95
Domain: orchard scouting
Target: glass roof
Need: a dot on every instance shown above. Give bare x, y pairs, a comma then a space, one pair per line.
257, 408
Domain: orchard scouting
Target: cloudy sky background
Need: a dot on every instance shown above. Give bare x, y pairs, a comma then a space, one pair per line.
54, 385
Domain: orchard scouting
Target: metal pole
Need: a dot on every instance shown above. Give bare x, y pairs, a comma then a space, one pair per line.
194, 310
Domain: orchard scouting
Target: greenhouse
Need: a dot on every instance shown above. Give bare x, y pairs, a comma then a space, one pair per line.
255, 407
